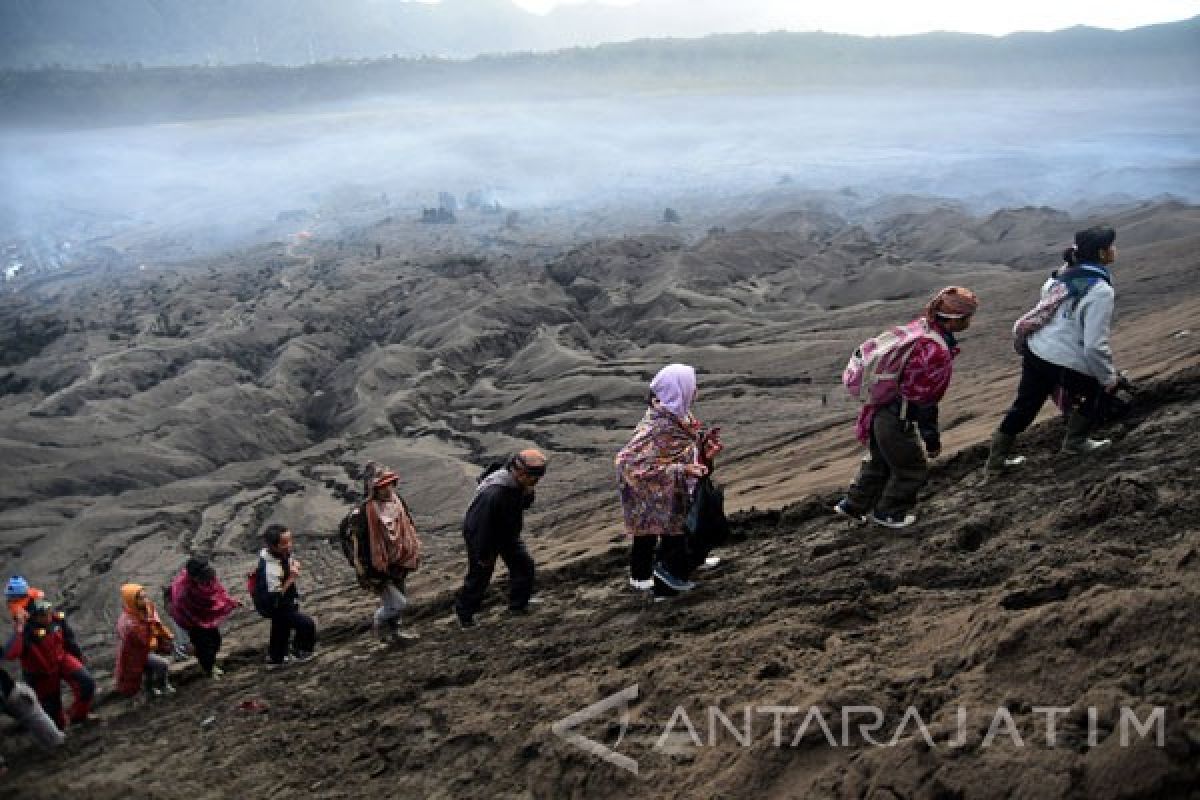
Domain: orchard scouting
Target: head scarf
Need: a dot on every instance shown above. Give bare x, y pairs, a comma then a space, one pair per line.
953, 302
385, 478
675, 388
129, 593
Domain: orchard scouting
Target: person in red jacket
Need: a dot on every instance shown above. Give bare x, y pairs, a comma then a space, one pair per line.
141, 640
49, 655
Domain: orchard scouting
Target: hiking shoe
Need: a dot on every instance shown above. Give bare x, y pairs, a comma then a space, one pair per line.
712, 562
167, 688
642, 586
843, 509
271, 664
1083, 447
464, 622
530, 605
893, 520
303, 655
671, 582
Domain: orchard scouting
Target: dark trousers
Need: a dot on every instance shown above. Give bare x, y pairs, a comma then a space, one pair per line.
49, 693
1039, 378
481, 562
283, 622
672, 552
894, 470
206, 642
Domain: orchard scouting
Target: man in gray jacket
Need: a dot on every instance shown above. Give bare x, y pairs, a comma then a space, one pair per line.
1070, 351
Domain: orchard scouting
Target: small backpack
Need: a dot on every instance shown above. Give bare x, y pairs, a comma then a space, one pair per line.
872, 376
257, 597
353, 539
1039, 316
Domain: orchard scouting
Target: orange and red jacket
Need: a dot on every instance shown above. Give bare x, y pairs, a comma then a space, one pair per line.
45, 651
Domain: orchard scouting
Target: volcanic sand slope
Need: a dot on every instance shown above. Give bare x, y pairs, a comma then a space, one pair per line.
150, 415
1072, 584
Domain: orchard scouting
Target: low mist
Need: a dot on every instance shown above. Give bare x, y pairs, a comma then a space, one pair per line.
221, 180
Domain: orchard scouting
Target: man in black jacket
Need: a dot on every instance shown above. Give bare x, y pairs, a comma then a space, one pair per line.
492, 529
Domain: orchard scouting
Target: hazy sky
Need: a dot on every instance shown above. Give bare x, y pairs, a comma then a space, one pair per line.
884, 17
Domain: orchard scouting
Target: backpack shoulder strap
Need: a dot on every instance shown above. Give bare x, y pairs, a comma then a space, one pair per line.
933, 334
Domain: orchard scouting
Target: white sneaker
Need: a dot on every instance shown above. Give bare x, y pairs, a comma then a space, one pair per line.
893, 520
712, 562
642, 586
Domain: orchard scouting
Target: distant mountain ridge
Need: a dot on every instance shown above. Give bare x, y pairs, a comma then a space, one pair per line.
1076, 59
69, 33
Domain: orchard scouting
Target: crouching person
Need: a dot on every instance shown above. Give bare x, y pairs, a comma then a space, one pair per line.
143, 643
492, 529
20, 702
45, 645
277, 598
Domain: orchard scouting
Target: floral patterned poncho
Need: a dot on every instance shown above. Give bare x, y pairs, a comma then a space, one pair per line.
653, 486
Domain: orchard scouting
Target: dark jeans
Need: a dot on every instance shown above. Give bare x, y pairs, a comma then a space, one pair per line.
481, 562
894, 471
672, 552
283, 622
207, 643
1039, 378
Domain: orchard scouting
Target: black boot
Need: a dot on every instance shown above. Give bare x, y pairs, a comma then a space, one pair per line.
1076, 442
999, 457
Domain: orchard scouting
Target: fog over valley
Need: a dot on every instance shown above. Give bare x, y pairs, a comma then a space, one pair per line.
226, 178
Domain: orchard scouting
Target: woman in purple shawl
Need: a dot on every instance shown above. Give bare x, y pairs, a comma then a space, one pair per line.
656, 475
199, 603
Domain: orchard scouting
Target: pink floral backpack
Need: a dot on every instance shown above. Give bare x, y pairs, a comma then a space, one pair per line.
872, 376
1039, 316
